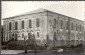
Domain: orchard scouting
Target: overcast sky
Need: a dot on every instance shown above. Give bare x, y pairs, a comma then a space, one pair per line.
73, 9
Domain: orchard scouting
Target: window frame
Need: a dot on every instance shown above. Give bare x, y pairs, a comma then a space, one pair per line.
37, 34
61, 24
55, 23
16, 25
10, 26
23, 23
30, 23
37, 22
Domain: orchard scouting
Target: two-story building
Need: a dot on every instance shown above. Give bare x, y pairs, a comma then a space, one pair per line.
46, 26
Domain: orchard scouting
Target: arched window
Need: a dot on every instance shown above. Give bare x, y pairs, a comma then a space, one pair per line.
37, 34
22, 35
29, 35
10, 36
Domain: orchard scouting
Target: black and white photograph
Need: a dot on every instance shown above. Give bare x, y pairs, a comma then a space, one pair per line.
43, 27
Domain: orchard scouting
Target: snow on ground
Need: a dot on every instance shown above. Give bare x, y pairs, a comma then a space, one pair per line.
11, 51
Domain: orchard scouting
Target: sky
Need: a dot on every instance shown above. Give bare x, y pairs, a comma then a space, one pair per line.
75, 9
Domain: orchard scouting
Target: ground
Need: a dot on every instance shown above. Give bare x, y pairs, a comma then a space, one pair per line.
51, 52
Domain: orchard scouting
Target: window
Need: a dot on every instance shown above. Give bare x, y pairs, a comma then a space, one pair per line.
54, 36
37, 22
54, 23
16, 37
29, 35
67, 25
9, 36
30, 24
22, 24
22, 35
37, 34
80, 27
10, 26
61, 22
16, 25
76, 27
71, 26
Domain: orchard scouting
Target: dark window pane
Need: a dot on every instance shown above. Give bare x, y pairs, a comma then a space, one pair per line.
54, 23
76, 27
61, 22
16, 25
37, 34
22, 24
71, 26
30, 24
9, 36
22, 35
37, 22
80, 27
10, 26
54, 36
67, 25
29, 35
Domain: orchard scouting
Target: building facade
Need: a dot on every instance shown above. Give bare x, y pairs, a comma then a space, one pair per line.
84, 31
1, 34
46, 26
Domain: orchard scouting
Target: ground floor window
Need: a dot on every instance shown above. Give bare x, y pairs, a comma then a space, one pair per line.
29, 35
9, 36
37, 34
22, 35
15, 36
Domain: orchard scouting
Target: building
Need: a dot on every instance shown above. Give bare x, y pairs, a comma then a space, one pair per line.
84, 31
2, 34
84, 25
46, 26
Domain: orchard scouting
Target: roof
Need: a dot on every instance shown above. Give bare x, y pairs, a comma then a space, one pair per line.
37, 11
31, 12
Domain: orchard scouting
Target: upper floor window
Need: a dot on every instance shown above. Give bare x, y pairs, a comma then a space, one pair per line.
37, 22
76, 27
61, 23
71, 26
67, 25
54, 23
16, 25
30, 24
80, 27
10, 26
22, 24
